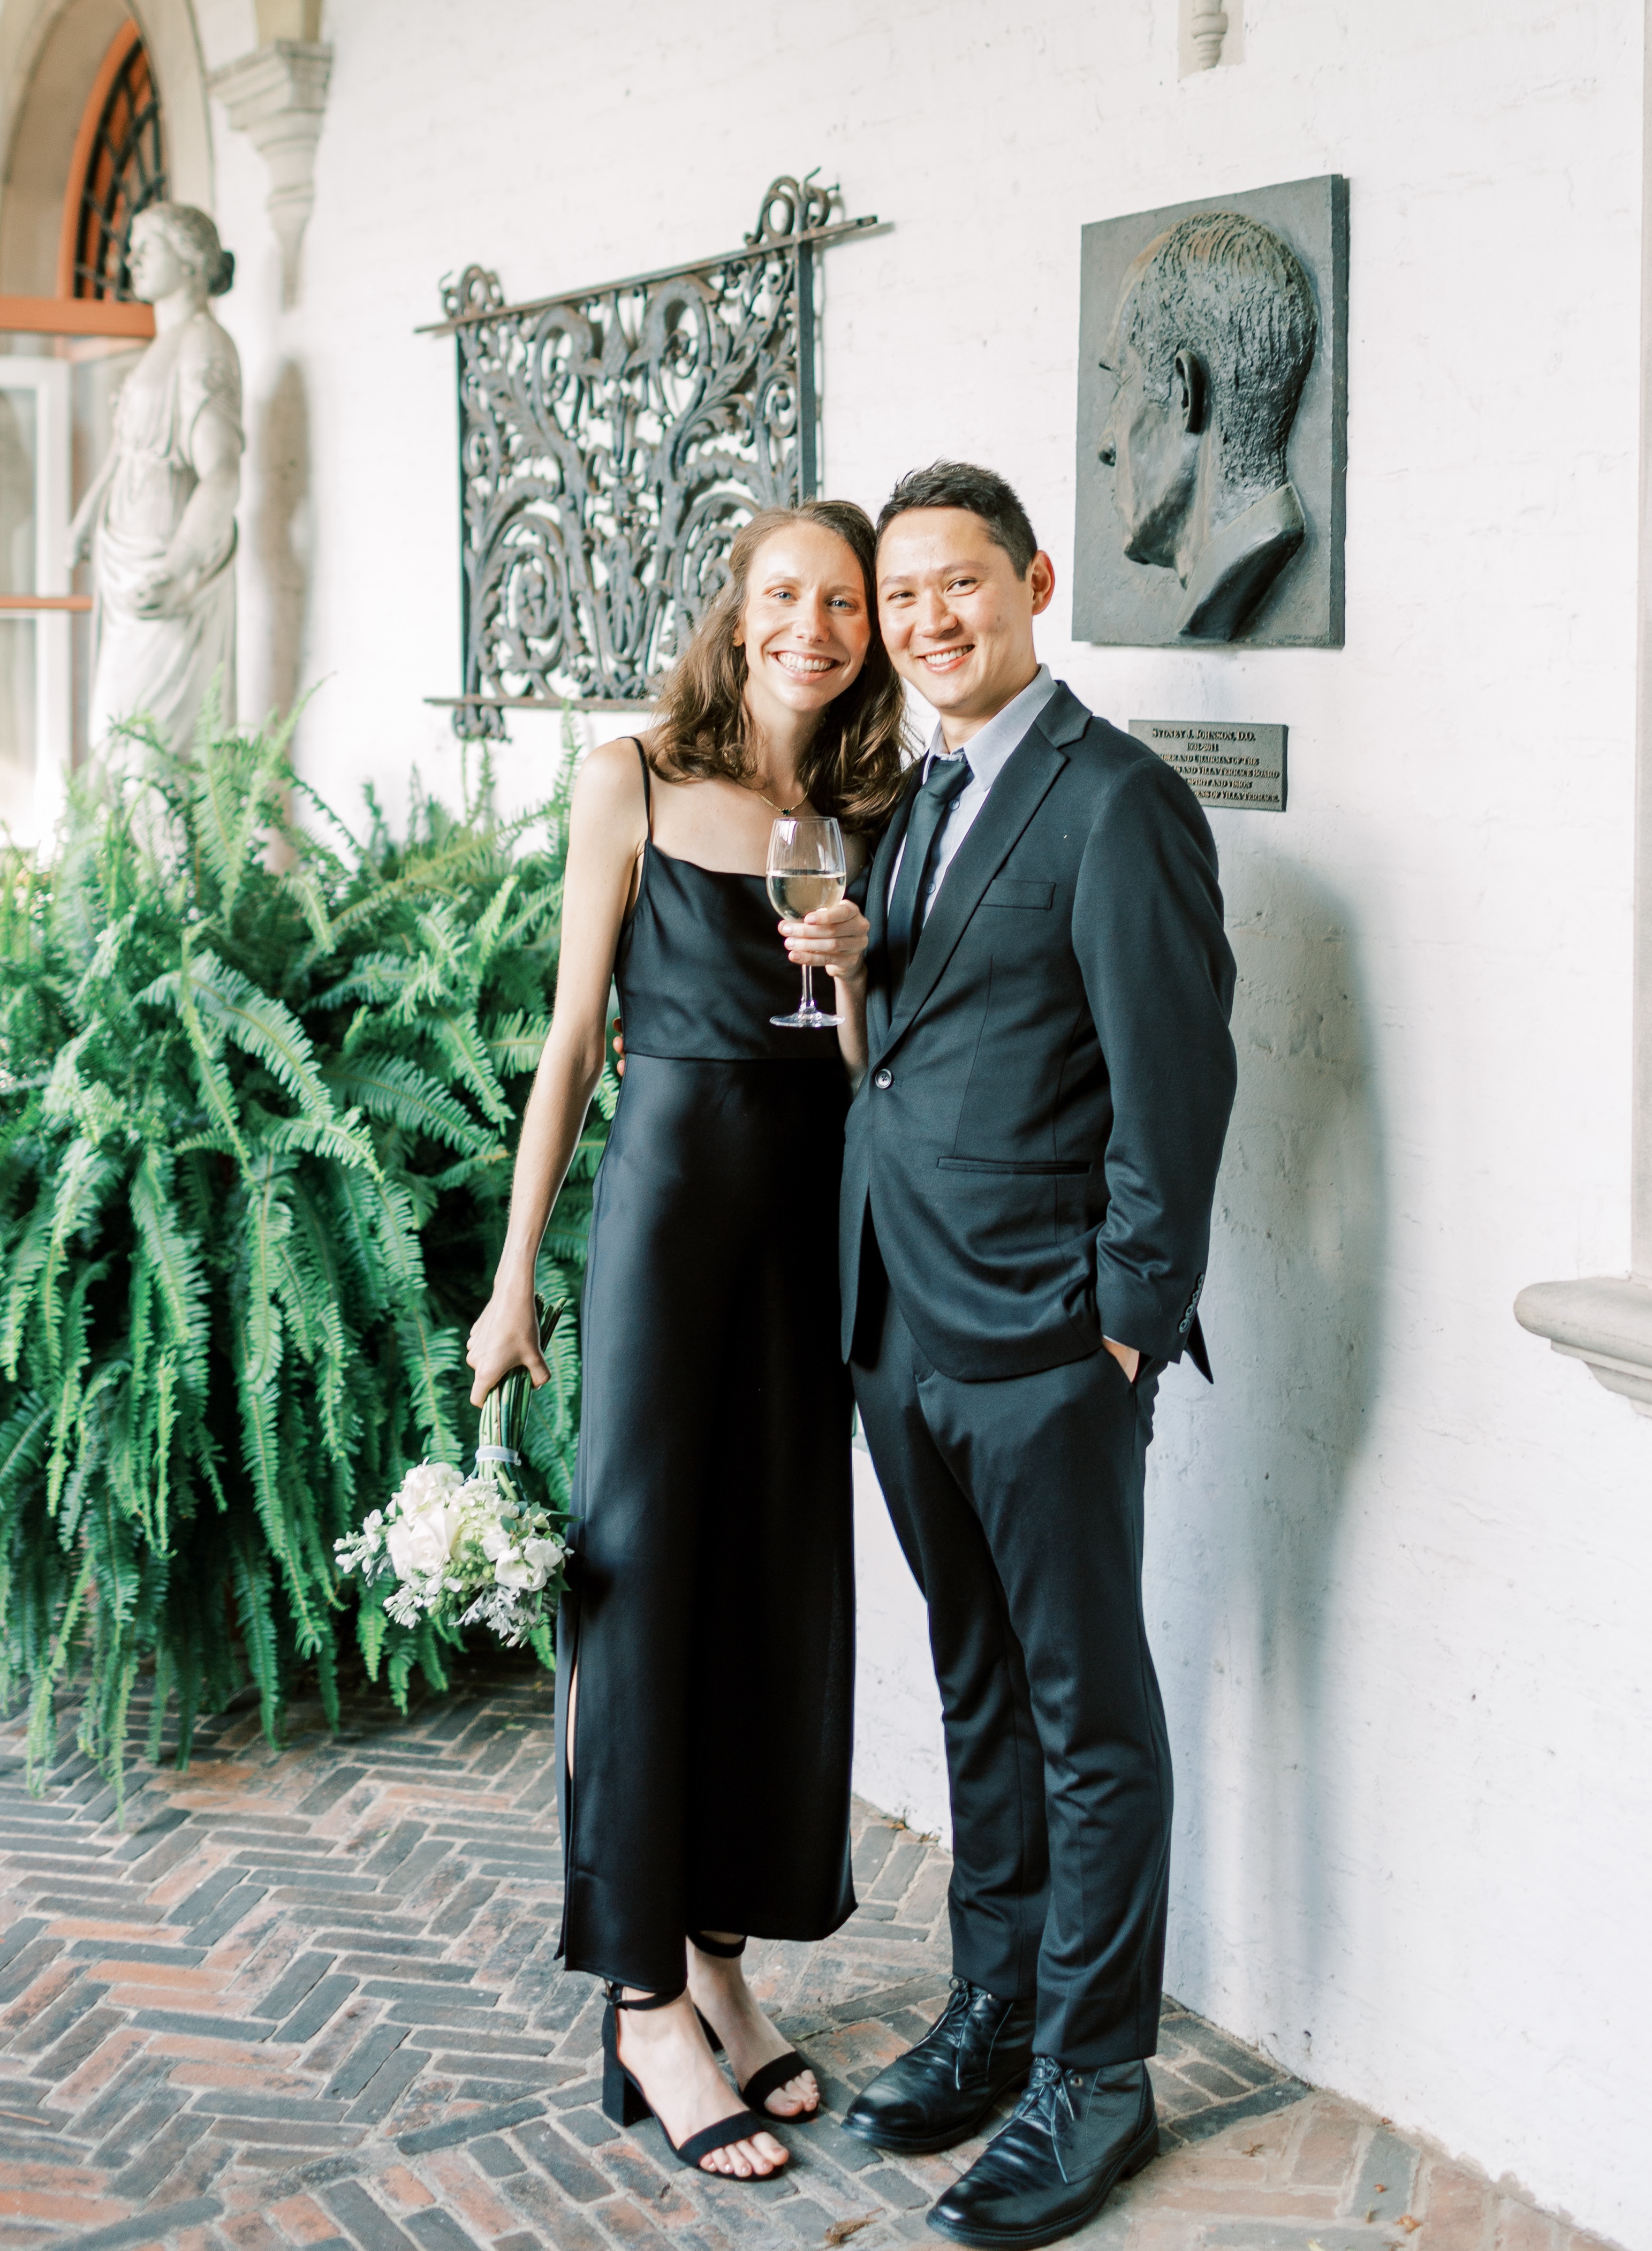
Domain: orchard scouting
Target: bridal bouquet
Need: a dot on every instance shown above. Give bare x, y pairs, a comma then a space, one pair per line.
478, 1550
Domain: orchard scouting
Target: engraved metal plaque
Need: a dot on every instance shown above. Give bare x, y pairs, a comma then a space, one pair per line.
1224, 762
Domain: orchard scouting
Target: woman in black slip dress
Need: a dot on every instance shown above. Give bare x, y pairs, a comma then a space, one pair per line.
706, 1663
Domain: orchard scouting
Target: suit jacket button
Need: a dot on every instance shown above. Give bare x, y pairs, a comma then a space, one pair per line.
883, 1079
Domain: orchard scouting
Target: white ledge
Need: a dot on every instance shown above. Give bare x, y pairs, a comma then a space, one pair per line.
1605, 1321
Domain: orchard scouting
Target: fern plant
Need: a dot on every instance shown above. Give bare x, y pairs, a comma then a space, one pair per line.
258, 1080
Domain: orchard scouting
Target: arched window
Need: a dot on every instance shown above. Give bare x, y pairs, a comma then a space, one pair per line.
54, 406
120, 165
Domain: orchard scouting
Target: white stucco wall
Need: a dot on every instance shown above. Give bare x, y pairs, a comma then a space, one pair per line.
900, 1761
1399, 1558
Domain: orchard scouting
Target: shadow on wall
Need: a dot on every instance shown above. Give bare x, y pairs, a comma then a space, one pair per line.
1250, 1485
281, 529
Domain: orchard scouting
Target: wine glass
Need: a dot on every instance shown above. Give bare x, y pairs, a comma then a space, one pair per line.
806, 869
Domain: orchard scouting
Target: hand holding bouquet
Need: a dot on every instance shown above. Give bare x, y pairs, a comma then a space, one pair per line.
480, 1550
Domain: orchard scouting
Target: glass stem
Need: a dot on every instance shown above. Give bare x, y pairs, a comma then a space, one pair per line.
808, 1003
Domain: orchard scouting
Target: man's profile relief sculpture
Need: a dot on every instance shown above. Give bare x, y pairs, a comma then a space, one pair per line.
159, 521
1212, 398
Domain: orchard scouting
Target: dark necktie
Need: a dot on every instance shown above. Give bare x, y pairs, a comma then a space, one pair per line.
941, 785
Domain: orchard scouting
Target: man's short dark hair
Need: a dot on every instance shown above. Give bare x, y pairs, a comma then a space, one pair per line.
959, 484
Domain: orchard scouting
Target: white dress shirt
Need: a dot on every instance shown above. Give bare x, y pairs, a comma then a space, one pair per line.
989, 753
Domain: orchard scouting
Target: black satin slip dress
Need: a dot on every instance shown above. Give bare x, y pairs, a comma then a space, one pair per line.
711, 1623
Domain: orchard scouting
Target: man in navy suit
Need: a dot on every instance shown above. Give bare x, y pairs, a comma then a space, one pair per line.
1032, 1159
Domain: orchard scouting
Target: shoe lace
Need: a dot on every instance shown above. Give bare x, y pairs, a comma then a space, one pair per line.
949, 2023
1046, 2101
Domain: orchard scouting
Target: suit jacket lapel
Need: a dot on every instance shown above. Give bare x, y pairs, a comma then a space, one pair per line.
1014, 797
877, 903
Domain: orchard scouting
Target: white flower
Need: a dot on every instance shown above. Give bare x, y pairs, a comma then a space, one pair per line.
518, 1574
496, 1542
426, 1482
360, 1553
544, 1554
404, 1606
428, 1519
422, 1543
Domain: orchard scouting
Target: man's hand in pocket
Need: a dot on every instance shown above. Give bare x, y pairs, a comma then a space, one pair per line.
1128, 1357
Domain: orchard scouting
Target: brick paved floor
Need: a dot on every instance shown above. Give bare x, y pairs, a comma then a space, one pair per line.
310, 2000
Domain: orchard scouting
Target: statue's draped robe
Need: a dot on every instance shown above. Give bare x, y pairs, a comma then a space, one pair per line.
162, 667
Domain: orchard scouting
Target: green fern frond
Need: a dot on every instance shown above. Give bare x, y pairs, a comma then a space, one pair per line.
466, 1052
319, 1137
212, 1081
84, 1180
304, 889
394, 1087
173, 1259
515, 1042
266, 1219
263, 1027
469, 1171
380, 977
28, 1258
485, 937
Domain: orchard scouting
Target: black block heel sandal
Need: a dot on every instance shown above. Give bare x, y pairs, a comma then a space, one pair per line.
768, 2078
625, 2105
719, 1952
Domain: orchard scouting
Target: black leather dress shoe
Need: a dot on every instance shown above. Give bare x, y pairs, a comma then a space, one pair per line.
939, 2092
1074, 2135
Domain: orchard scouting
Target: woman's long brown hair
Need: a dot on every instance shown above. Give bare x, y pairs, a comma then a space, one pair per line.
851, 769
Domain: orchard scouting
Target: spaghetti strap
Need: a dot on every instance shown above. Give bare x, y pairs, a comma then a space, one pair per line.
648, 787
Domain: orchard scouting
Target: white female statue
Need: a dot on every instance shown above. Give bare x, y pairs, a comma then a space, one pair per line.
160, 520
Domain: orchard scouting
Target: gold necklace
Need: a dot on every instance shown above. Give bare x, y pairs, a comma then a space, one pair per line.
784, 811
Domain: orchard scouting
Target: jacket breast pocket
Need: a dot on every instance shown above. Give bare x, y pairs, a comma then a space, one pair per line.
1010, 891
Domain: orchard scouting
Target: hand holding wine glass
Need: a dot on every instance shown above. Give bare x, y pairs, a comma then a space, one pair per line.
807, 871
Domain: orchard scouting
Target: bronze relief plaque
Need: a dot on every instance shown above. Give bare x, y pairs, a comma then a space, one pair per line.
1212, 422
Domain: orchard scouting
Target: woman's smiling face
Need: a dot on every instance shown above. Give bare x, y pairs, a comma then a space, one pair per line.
807, 624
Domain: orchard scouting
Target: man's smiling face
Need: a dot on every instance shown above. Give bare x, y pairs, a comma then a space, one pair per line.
956, 617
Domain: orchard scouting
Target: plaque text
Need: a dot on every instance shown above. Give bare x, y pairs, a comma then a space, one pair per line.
1224, 762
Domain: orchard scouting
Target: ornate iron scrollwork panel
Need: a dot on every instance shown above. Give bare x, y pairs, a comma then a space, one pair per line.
612, 442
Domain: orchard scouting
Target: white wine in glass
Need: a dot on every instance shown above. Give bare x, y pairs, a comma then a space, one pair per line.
806, 869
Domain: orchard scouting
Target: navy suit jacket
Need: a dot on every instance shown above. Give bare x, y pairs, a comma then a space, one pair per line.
1037, 1138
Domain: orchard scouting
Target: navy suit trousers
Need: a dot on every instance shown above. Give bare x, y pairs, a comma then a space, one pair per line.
1018, 1503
